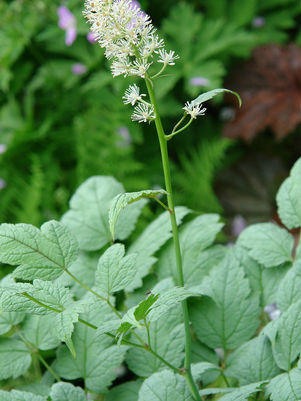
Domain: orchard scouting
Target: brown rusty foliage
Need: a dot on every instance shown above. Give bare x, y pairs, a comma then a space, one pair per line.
270, 87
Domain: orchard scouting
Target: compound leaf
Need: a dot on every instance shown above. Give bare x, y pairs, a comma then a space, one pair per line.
115, 271
43, 253
268, 244
15, 358
125, 392
88, 214
228, 305
286, 387
122, 200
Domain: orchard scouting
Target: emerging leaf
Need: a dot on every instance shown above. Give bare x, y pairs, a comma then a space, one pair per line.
204, 97
123, 200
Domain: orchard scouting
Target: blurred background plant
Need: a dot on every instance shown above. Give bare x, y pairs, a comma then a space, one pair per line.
62, 119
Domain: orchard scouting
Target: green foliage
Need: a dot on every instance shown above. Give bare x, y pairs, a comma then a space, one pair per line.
86, 334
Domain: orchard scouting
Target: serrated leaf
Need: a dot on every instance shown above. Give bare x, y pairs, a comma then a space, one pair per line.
198, 369
9, 319
289, 289
96, 359
144, 306
286, 387
287, 345
195, 238
167, 337
43, 253
289, 198
121, 201
165, 386
15, 395
115, 271
67, 392
15, 358
229, 306
243, 393
252, 362
38, 330
204, 97
263, 281
125, 392
150, 241
268, 244
17, 297
88, 214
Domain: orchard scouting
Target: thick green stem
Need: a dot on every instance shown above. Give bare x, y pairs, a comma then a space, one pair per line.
167, 177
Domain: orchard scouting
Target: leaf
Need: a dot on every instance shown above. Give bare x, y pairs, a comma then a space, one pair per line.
165, 386
167, 338
67, 392
204, 97
96, 359
8, 320
122, 200
115, 271
228, 307
268, 244
16, 297
195, 238
287, 345
263, 281
144, 306
243, 393
125, 392
150, 241
200, 368
41, 253
88, 214
289, 198
38, 330
15, 358
265, 95
252, 362
286, 387
289, 289
15, 395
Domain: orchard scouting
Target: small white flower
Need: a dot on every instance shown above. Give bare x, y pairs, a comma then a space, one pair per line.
143, 113
194, 110
140, 68
132, 95
167, 58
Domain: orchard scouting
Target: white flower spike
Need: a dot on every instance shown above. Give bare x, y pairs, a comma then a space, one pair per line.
132, 95
143, 113
194, 110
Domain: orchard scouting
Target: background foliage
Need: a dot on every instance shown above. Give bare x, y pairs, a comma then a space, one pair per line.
61, 128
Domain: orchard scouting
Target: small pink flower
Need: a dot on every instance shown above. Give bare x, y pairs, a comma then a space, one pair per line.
67, 22
199, 81
3, 148
126, 137
2, 183
258, 22
91, 38
238, 225
78, 69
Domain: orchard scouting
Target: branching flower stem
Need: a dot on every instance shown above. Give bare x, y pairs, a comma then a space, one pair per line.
167, 176
168, 137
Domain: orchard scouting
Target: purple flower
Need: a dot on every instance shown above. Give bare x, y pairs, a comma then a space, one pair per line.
3, 148
91, 38
125, 135
238, 225
258, 22
78, 69
67, 22
199, 81
2, 183
135, 4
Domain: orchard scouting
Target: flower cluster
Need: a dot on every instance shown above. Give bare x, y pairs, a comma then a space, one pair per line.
128, 36
144, 111
194, 110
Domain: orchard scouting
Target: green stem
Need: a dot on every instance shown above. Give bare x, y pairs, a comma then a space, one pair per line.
160, 72
148, 333
167, 177
35, 351
161, 203
168, 137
